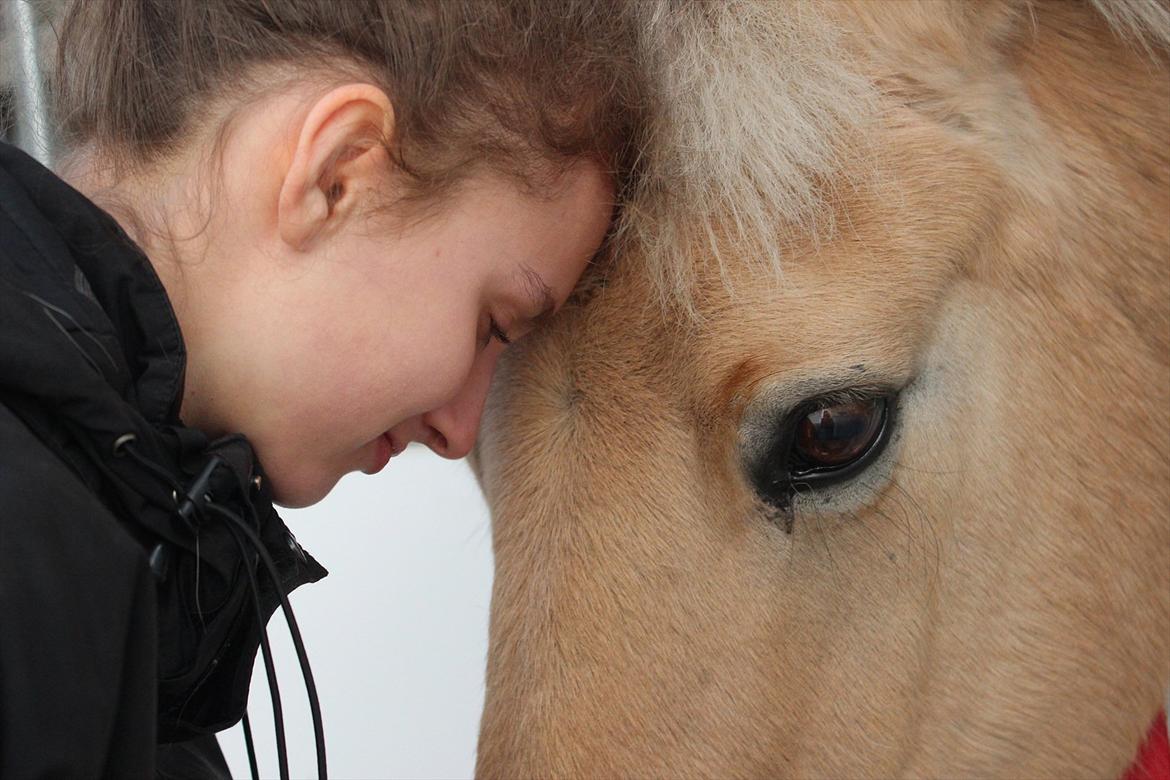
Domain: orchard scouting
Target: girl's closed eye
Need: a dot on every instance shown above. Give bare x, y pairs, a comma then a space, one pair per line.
498, 333
495, 332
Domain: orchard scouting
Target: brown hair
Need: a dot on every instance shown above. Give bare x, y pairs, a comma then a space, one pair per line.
511, 84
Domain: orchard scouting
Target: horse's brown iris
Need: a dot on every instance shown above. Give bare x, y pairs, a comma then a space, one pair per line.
833, 436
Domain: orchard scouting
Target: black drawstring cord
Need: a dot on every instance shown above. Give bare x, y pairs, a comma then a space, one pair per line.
269, 667
293, 628
251, 747
187, 507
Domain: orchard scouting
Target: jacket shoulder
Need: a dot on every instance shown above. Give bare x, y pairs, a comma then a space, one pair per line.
77, 622
43, 499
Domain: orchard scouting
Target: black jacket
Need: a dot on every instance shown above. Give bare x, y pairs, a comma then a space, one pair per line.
106, 647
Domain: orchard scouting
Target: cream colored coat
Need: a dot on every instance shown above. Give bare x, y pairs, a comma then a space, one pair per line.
966, 203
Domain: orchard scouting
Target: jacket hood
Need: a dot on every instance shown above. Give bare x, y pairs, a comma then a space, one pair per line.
92, 360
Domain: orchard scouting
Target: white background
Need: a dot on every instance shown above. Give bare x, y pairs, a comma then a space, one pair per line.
397, 633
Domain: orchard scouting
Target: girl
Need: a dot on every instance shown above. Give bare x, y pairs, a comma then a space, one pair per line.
290, 237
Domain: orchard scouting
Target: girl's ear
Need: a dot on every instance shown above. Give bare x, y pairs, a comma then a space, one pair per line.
338, 154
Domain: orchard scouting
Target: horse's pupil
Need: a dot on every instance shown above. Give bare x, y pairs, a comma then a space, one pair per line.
836, 435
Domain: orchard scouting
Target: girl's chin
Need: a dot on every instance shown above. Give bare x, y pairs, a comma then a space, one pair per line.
296, 491
299, 482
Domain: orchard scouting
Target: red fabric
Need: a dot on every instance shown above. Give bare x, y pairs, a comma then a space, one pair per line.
1153, 759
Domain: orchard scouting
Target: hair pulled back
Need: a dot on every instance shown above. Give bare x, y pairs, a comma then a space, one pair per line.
511, 84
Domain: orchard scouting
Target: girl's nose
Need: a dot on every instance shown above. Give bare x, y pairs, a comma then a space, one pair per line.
457, 423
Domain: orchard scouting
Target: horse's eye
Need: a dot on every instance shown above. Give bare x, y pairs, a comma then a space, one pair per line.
835, 436
826, 440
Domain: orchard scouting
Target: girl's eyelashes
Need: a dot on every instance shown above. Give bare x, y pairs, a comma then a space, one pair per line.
492, 331
497, 332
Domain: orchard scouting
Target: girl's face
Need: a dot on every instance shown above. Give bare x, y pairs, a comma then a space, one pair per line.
342, 358
332, 337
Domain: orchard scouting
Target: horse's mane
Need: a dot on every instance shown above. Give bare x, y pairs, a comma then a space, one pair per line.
1144, 21
745, 146
749, 108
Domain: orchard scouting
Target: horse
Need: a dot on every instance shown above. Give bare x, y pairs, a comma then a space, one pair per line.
851, 458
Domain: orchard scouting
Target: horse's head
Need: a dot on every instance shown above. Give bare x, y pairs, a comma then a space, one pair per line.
899, 508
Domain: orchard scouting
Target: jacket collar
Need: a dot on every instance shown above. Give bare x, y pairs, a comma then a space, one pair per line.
85, 263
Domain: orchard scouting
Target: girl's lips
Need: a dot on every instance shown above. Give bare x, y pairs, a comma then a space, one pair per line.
386, 449
395, 447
